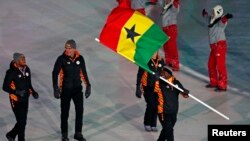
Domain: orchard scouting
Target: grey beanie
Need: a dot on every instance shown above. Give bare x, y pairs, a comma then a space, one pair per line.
17, 56
72, 43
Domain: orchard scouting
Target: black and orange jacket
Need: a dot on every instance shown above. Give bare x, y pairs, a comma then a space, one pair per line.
146, 79
168, 96
71, 72
17, 80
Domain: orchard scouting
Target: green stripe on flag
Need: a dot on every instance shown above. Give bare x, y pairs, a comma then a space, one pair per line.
148, 44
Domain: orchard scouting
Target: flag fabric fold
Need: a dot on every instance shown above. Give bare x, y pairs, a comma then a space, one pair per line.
132, 35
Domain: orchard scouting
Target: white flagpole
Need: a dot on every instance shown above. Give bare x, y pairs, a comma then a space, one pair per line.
198, 100
190, 95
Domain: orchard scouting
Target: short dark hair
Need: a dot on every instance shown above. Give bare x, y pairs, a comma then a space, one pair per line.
72, 43
167, 70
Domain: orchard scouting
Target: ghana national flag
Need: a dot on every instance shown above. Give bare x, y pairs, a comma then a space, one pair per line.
132, 35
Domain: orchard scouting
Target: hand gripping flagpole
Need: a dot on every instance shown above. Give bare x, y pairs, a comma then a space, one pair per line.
201, 102
190, 95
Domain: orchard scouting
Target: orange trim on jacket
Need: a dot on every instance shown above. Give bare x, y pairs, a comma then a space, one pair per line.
161, 102
160, 97
144, 79
82, 77
61, 73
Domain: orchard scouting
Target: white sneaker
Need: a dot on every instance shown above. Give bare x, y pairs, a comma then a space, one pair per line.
147, 128
154, 129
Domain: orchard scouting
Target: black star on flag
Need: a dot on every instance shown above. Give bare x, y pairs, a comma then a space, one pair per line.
131, 33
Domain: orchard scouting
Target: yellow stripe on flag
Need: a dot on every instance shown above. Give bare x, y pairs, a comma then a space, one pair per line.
125, 46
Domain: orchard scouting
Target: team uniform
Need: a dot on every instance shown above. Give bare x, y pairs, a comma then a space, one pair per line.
71, 73
17, 83
169, 25
168, 105
146, 81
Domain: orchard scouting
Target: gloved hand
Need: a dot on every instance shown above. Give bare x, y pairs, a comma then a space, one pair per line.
157, 76
57, 92
204, 12
138, 92
229, 16
35, 95
88, 91
185, 93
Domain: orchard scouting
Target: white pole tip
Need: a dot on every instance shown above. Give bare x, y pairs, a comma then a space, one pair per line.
97, 39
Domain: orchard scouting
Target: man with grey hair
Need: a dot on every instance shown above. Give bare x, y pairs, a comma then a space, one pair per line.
17, 83
71, 70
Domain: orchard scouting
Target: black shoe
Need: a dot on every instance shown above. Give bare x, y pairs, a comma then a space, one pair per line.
217, 89
79, 137
65, 137
210, 86
9, 137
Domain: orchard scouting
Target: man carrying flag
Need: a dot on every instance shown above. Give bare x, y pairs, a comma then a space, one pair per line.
137, 38
134, 37
168, 103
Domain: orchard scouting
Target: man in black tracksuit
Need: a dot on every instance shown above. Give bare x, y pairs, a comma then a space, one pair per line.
168, 104
146, 81
17, 83
71, 71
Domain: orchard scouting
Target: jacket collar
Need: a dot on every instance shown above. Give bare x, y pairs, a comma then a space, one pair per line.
77, 54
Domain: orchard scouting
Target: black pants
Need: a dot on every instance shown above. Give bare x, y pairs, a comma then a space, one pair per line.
77, 96
20, 110
150, 117
167, 121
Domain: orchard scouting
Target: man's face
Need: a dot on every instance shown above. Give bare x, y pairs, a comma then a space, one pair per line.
165, 75
155, 55
69, 50
22, 62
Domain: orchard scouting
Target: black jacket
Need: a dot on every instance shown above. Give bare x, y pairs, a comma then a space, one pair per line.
16, 80
150, 77
72, 72
170, 96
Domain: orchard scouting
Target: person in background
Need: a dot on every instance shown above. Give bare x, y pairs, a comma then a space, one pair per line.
169, 24
217, 70
153, 9
133, 4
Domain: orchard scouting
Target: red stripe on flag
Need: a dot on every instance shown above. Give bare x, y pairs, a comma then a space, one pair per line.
112, 29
